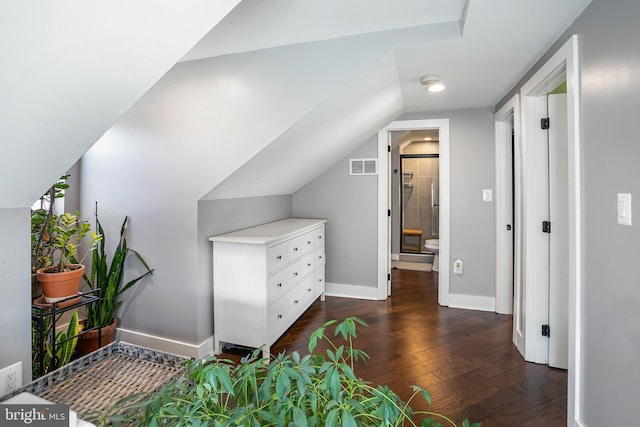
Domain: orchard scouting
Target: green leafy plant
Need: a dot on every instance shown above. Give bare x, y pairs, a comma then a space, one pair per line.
65, 345
43, 220
66, 235
109, 278
318, 389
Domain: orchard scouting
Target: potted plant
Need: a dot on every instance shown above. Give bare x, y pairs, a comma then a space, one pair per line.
318, 389
62, 278
110, 280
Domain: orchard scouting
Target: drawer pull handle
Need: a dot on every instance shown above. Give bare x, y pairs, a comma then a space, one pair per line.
308, 289
308, 264
295, 274
295, 302
319, 237
295, 249
308, 242
279, 257
279, 316
279, 285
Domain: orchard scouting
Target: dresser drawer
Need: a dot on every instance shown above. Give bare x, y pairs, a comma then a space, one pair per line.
308, 291
277, 257
308, 263
279, 282
317, 237
283, 312
318, 280
318, 257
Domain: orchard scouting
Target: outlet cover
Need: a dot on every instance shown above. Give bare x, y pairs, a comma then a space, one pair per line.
10, 378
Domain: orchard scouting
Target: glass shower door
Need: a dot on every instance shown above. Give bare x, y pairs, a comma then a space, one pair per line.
419, 201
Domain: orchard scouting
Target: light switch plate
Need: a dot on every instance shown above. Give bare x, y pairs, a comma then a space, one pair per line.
487, 195
624, 208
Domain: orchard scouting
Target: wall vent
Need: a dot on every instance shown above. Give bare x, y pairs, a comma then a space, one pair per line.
363, 166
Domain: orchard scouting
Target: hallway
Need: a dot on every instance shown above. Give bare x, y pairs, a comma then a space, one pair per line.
465, 359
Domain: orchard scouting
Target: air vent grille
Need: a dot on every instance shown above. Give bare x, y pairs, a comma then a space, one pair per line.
363, 166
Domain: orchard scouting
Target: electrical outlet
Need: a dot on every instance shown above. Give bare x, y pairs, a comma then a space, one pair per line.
10, 378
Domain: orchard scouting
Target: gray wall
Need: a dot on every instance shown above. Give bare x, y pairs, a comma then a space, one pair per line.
223, 216
610, 59
15, 282
349, 203
471, 220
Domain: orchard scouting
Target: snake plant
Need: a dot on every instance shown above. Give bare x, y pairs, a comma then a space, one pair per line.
109, 278
65, 345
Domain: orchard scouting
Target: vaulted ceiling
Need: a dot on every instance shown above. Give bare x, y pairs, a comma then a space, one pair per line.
70, 70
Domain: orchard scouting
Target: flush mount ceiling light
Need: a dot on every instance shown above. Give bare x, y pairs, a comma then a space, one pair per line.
432, 83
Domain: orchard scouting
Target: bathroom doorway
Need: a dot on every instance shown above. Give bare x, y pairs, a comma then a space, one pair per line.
415, 195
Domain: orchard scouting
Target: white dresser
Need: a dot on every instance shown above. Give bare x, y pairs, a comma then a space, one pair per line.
264, 278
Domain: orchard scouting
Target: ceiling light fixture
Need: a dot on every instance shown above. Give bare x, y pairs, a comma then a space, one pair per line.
432, 83
428, 138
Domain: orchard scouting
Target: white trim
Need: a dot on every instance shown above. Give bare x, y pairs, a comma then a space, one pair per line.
166, 345
395, 257
351, 291
580, 424
384, 243
472, 302
510, 112
564, 63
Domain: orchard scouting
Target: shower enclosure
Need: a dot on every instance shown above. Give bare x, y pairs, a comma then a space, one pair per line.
419, 200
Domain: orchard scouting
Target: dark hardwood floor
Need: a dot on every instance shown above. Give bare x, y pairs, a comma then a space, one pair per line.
464, 358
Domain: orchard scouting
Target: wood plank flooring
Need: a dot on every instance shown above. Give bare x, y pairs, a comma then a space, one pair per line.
464, 358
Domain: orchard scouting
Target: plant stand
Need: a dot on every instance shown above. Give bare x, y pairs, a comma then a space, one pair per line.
42, 313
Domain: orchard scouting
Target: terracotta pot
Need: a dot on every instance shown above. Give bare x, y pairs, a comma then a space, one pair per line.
88, 342
36, 289
57, 286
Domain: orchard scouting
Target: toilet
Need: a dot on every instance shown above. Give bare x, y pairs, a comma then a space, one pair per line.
433, 245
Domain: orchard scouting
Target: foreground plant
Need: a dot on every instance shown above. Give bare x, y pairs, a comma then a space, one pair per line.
319, 389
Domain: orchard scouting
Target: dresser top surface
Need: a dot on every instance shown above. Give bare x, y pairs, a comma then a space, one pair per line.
271, 232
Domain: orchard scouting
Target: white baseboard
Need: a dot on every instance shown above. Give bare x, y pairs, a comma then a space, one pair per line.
472, 302
166, 345
351, 291
395, 257
580, 424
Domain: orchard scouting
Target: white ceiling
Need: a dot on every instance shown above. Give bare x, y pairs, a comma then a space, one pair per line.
480, 48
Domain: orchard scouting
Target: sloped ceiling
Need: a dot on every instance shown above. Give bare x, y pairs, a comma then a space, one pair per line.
75, 68
480, 49
70, 69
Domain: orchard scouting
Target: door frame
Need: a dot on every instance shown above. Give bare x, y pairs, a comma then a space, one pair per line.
564, 64
507, 119
384, 204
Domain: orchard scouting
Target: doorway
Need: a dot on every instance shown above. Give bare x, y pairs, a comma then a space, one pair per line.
385, 202
530, 153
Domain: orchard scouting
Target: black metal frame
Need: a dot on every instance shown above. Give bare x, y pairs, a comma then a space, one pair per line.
38, 316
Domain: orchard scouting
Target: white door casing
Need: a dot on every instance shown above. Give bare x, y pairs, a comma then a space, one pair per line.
384, 242
507, 126
562, 65
559, 237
